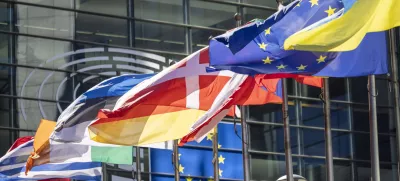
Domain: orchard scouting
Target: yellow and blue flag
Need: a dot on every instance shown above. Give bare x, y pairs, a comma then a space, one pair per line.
257, 47
195, 159
346, 30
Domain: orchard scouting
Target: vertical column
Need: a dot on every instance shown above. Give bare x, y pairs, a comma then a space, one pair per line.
395, 86
188, 31
328, 135
138, 167
12, 74
215, 154
286, 128
373, 129
176, 160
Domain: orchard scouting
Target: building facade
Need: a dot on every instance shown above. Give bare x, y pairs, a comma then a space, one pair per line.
51, 51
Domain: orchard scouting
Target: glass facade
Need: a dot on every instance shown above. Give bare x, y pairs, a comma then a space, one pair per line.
51, 51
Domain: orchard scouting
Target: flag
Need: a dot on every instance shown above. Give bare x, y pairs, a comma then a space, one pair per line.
257, 48
170, 104
195, 159
47, 151
347, 29
12, 166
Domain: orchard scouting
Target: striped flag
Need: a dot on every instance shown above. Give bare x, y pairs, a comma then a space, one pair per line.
12, 166
170, 104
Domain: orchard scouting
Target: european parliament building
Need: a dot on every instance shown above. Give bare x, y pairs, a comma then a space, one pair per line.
51, 51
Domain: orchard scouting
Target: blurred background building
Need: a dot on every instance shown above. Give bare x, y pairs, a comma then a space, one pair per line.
51, 51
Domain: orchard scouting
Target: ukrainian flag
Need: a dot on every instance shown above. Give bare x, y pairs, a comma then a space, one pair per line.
349, 26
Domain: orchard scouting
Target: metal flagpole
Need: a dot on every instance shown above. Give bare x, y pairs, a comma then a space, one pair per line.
285, 115
245, 151
395, 86
286, 128
138, 169
328, 135
215, 154
373, 129
175, 160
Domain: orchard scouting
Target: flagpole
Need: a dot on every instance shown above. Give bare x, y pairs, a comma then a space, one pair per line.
375, 175
395, 86
138, 169
215, 154
176, 160
286, 129
245, 151
328, 134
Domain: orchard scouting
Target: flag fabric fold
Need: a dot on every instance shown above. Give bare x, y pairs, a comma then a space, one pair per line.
172, 103
12, 166
257, 48
347, 29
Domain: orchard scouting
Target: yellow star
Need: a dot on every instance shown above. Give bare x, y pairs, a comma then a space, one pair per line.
221, 159
179, 156
267, 61
302, 67
298, 4
220, 172
330, 11
313, 2
219, 146
281, 66
189, 179
209, 136
181, 168
268, 31
321, 59
263, 46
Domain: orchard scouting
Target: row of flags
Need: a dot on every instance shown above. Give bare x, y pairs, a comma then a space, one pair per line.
187, 100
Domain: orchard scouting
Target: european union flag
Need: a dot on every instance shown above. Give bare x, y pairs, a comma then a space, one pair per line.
257, 48
195, 159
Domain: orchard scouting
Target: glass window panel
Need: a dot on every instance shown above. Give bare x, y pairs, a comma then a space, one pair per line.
5, 141
358, 90
361, 119
5, 111
383, 92
43, 84
159, 37
387, 148
55, 3
314, 143
270, 167
271, 113
101, 29
270, 138
39, 52
313, 114
165, 10
30, 113
337, 89
44, 21
387, 172
252, 13
4, 50
314, 169
117, 7
341, 144
4, 18
212, 14
342, 170
200, 38
361, 146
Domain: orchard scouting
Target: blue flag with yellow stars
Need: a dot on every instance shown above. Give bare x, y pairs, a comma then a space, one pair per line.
257, 47
195, 159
